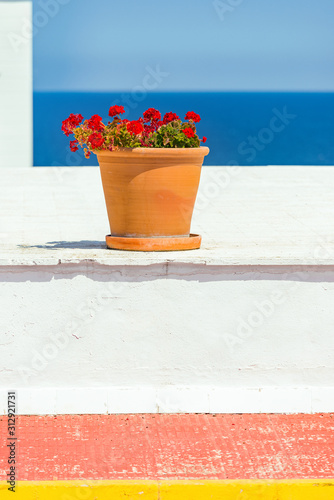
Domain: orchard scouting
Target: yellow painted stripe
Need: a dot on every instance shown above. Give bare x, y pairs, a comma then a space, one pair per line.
299, 489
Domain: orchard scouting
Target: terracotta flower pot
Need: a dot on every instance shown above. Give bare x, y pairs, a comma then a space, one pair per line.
150, 195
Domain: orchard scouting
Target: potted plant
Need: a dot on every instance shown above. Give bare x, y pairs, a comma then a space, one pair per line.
150, 170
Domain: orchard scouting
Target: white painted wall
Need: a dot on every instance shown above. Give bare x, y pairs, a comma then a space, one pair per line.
15, 83
200, 338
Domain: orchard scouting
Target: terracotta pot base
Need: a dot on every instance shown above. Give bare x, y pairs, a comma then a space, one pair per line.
190, 242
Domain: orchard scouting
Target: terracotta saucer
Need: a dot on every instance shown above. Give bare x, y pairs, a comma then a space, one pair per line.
190, 242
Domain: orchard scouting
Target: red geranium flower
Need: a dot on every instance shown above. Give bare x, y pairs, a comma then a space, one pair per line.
192, 116
95, 123
71, 123
188, 132
148, 129
116, 110
135, 127
96, 140
151, 114
74, 146
169, 117
204, 139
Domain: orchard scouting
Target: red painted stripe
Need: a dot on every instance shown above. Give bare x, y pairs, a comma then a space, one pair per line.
244, 446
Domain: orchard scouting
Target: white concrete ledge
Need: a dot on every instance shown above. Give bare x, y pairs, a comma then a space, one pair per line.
245, 324
247, 216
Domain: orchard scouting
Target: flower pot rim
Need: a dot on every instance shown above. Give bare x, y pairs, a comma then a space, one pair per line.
151, 151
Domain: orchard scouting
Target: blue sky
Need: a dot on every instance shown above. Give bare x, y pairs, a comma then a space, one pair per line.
109, 45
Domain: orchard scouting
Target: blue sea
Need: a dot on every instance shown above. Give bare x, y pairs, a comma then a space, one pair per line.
242, 128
